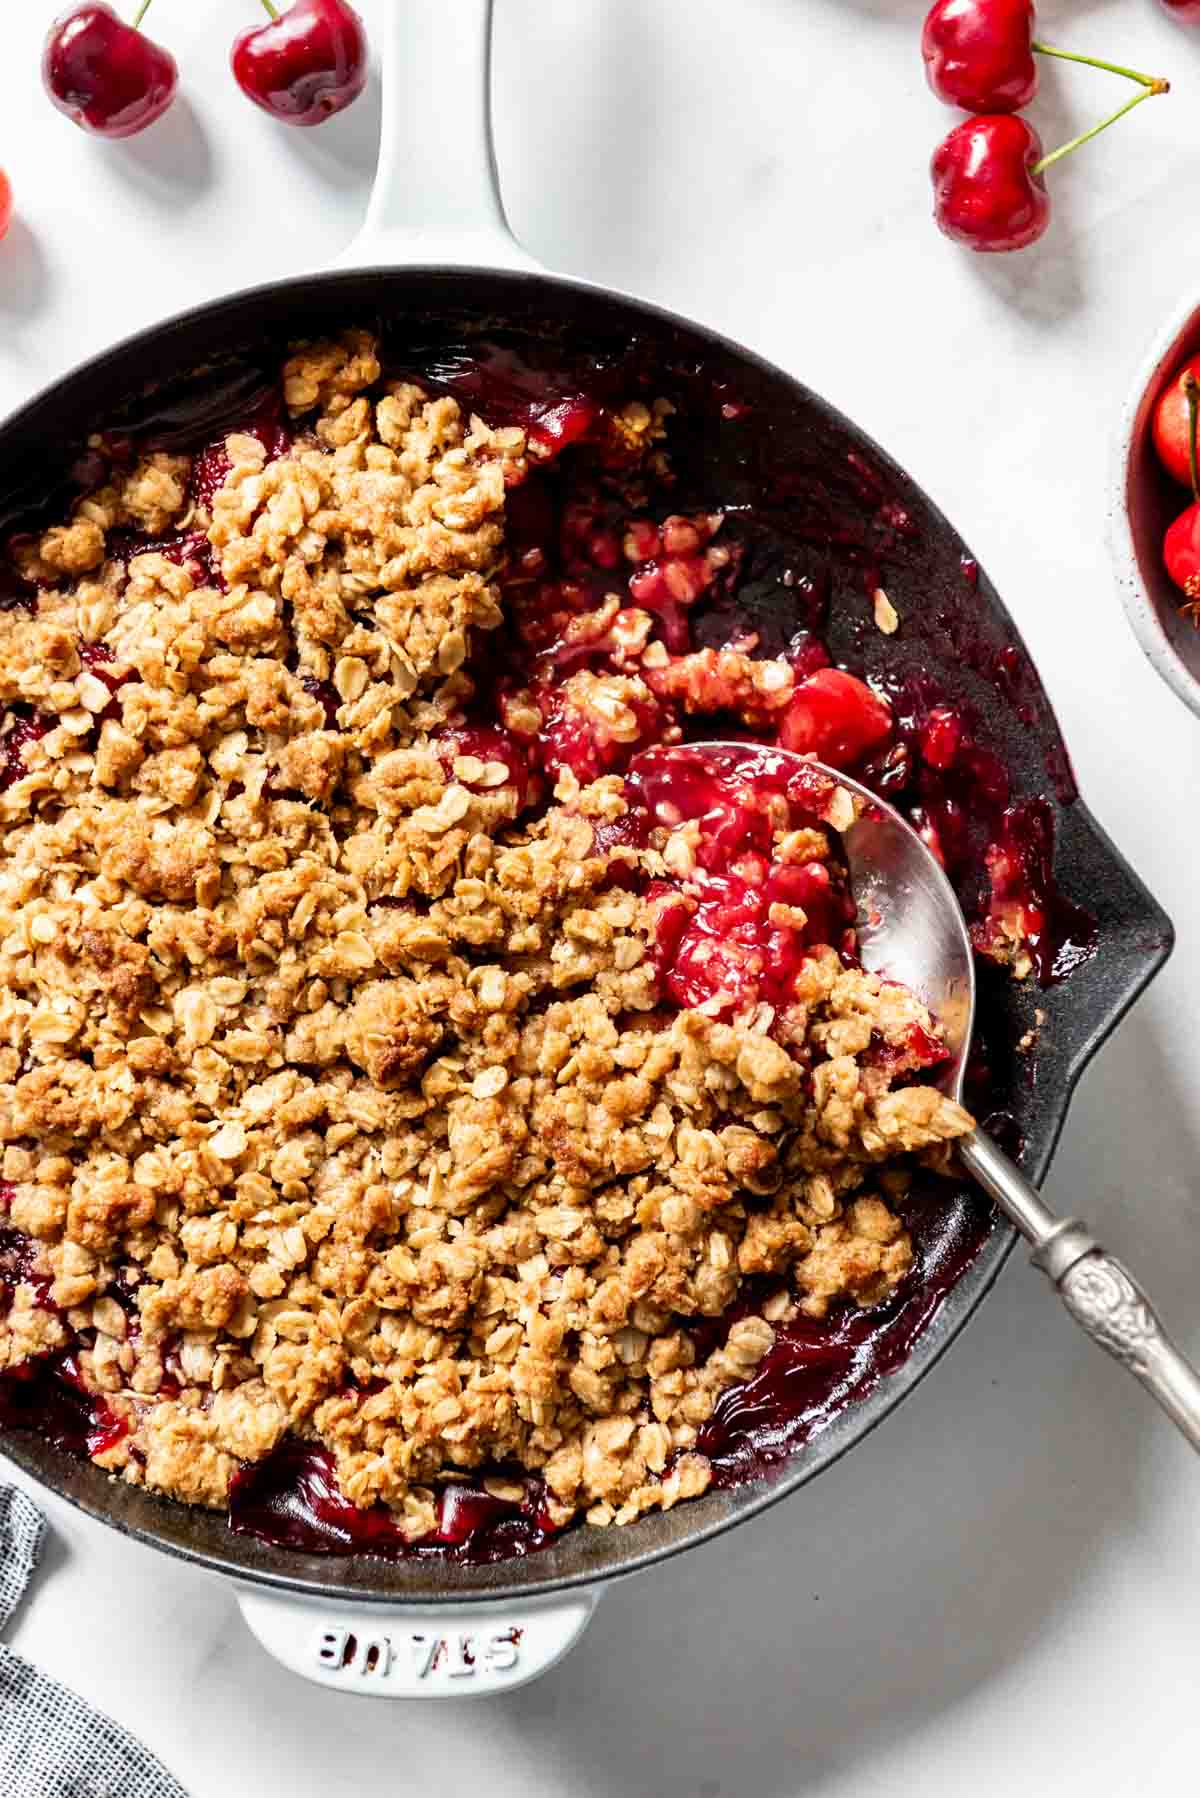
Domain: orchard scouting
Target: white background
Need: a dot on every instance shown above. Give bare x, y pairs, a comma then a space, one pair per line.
999, 1590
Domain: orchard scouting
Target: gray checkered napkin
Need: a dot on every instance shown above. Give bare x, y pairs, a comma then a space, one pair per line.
52, 1744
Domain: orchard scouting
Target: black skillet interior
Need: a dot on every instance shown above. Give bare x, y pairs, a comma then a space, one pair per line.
852, 518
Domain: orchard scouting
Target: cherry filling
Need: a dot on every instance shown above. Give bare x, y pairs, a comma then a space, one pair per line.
25, 726
293, 1498
211, 465
48, 1395
817, 1367
1027, 910
726, 953
736, 929
465, 745
589, 745
187, 549
327, 696
17, 1256
507, 389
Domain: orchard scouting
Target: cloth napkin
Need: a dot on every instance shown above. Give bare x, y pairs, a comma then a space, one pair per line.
52, 1744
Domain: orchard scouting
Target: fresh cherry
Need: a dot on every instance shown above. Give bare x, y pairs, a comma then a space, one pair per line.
1181, 545
979, 54
106, 75
1181, 552
5, 203
305, 64
1170, 427
988, 191
1186, 11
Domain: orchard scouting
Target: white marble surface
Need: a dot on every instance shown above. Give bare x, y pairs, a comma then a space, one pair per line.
1001, 1585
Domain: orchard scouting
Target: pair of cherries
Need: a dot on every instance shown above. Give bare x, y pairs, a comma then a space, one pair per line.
302, 66
988, 186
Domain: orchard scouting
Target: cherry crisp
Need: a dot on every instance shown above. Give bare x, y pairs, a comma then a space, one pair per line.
398, 1067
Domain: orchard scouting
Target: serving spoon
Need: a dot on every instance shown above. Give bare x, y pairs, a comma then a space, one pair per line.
911, 929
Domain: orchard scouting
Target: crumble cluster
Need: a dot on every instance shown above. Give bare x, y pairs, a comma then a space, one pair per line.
336, 1096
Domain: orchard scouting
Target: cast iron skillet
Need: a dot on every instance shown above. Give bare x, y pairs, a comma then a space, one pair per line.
951, 628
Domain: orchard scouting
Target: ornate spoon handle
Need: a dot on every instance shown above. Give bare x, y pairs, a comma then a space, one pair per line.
1098, 1292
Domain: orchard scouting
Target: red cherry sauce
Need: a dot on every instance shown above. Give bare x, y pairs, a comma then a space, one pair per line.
46, 1393
211, 465
17, 1256
998, 853
204, 439
1026, 904
292, 1498
20, 726
817, 1367
487, 743
507, 389
717, 941
327, 696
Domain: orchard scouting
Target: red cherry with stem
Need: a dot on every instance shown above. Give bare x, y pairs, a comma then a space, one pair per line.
988, 191
1181, 545
305, 64
979, 54
1171, 428
5, 203
106, 75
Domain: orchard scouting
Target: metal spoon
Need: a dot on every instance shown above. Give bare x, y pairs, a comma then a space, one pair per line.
910, 928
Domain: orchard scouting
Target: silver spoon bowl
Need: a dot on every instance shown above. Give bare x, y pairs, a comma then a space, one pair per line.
911, 928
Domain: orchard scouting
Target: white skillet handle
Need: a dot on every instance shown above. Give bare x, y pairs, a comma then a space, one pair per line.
436, 198
418, 1651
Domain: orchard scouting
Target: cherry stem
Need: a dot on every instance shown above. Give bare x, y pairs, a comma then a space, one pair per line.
140, 14
1098, 62
1191, 388
1085, 137
273, 10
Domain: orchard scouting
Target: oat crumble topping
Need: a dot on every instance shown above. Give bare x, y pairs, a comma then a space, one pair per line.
338, 1093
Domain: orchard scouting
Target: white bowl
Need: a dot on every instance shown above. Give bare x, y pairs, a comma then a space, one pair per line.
1142, 502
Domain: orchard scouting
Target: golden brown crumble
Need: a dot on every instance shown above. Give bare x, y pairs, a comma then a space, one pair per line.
361, 1087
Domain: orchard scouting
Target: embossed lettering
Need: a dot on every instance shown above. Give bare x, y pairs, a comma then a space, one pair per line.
425, 1654
500, 1652
331, 1647
376, 1655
